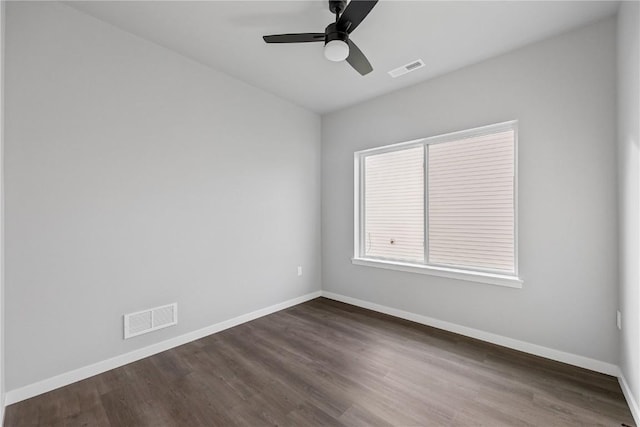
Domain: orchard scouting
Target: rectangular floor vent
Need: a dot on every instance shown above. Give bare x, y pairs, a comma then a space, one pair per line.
150, 320
407, 68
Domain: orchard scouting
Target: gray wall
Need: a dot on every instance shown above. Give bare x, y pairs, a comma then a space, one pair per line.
2, 347
629, 184
136, 177
563, 93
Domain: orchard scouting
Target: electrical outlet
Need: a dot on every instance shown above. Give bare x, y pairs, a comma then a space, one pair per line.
299, 270
619, 319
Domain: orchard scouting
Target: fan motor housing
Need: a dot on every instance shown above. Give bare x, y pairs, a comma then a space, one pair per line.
332, 33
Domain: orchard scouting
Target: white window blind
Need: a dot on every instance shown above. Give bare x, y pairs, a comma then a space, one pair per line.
456, 211
471, 202
394, 205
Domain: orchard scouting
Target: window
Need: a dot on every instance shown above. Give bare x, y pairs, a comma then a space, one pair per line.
444, 205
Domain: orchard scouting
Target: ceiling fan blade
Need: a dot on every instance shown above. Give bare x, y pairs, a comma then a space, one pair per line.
294, 38
353, 15
357, 59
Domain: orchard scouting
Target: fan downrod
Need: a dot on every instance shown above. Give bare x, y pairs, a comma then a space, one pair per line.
337, 6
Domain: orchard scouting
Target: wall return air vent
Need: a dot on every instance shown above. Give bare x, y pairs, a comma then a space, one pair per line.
141, 322
407, 68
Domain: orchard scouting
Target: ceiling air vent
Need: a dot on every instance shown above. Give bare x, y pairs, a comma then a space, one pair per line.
407, 68
150, 320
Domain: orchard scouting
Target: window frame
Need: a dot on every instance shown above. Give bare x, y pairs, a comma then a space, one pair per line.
473, 274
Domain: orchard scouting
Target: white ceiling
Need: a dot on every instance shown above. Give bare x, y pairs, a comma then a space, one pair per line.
226, 35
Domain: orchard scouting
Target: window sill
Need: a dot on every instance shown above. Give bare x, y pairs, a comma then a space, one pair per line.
451, 273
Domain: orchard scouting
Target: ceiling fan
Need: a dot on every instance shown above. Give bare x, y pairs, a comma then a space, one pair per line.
337, 45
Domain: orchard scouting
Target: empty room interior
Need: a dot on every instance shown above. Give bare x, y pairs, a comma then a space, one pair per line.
311, 213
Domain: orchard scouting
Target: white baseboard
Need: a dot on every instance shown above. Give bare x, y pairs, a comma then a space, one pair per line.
31, 390
631, 400
538, 350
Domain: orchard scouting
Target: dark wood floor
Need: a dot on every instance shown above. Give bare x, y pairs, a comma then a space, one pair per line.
328, 363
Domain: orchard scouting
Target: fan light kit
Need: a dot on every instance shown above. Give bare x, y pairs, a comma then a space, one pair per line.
337, 45
336, 50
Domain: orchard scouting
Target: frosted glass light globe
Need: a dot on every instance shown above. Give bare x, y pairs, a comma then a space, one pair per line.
336, 50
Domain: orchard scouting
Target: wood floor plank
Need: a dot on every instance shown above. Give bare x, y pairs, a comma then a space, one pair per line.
329, 363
